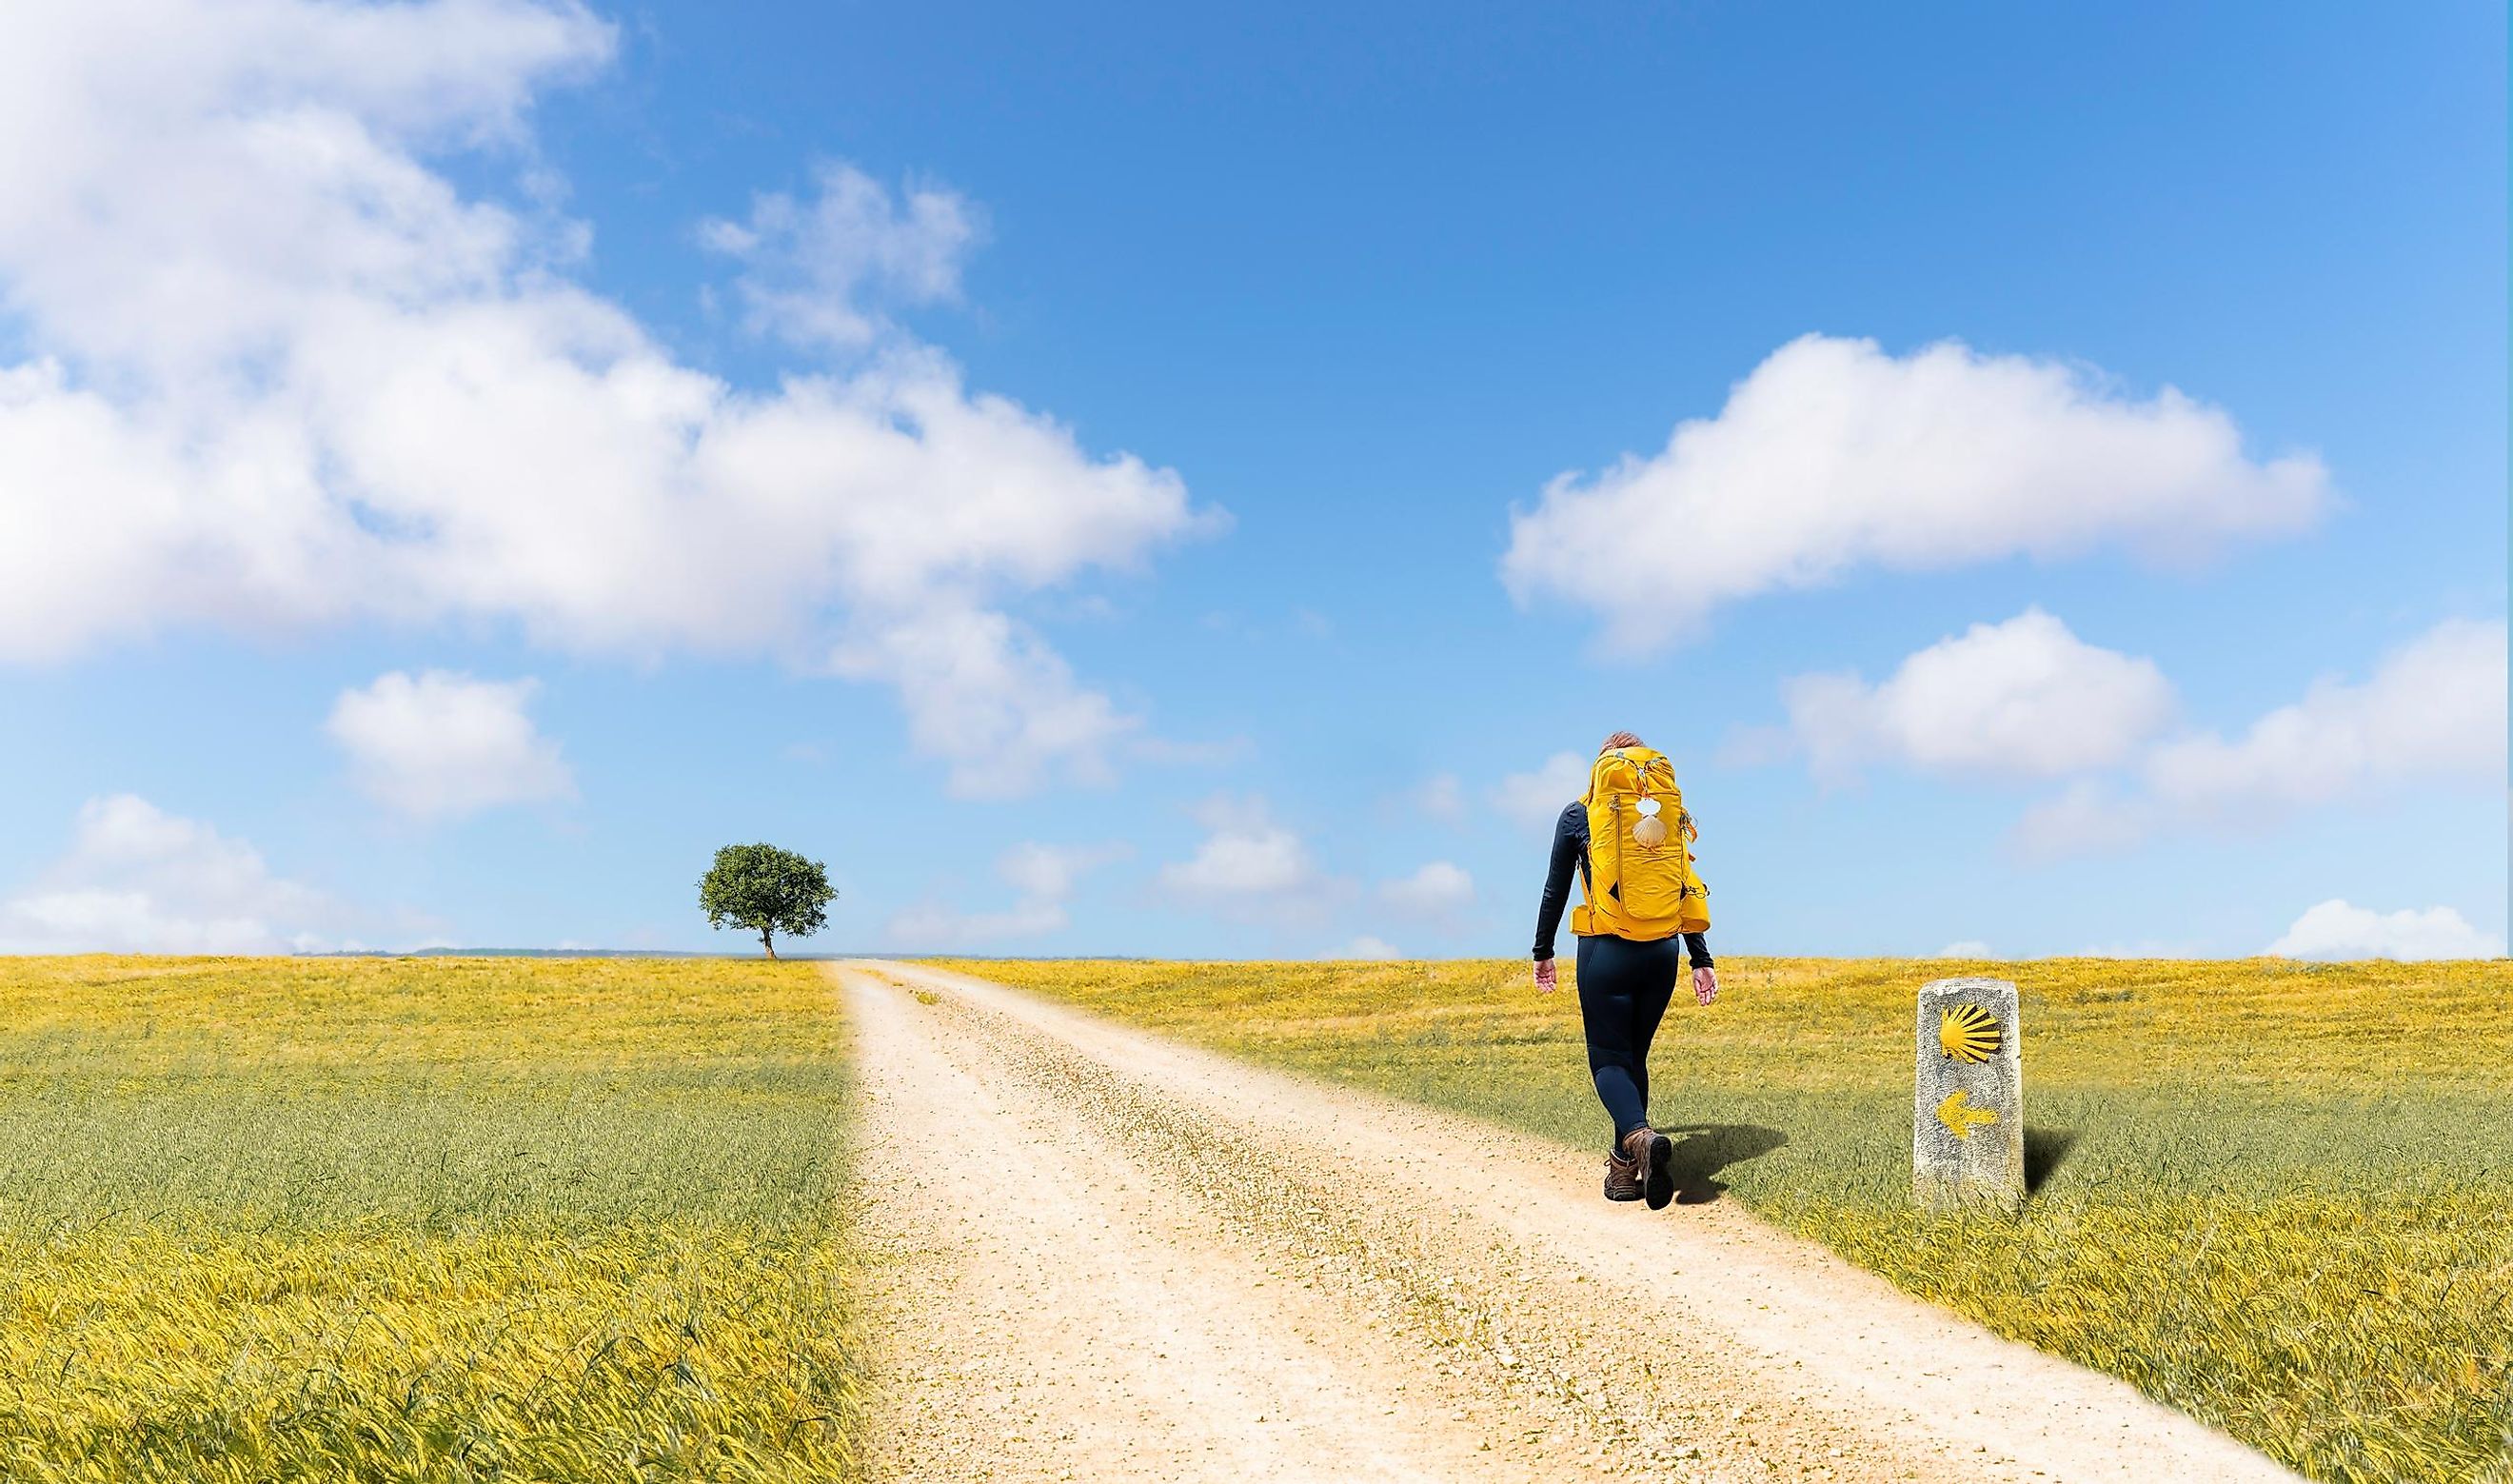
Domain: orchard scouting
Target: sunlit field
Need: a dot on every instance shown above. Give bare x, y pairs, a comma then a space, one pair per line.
2277, 1196
422, 1220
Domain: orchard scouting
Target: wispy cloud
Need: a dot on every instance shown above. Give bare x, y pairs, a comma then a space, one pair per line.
1436, 893
1042, 879
139, 880
1534, 799
816, 270
2433, 710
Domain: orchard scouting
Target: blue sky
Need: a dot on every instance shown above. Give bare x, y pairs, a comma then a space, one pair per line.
1181, 481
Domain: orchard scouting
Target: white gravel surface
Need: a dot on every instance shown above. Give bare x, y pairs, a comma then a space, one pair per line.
1101, 1255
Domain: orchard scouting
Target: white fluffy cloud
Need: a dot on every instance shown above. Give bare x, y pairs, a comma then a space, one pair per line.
2434, 709
931, 925
1366, 949
1248, 865
443, 744
2333, 928
139, 880
1969, 948
1043, 878
2025, 697
1439, 890
1535, 800
1833, 456
364, 396
812, 268
1245, 853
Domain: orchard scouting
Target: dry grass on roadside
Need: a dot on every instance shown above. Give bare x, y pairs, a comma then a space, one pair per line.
2272, 1195
422, 1220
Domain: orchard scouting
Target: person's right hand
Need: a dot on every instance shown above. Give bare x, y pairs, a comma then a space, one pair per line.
1547, 978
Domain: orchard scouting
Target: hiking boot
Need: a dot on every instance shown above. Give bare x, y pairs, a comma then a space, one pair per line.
1622, 1178
1649, 1150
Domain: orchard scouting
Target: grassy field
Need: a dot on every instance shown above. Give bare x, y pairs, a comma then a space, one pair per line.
421, 1219
2277, 1196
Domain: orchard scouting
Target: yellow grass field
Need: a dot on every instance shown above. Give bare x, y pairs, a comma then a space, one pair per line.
2276, 1195
422, 1220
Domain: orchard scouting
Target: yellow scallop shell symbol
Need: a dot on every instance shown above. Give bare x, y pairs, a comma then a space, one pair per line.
1969, 1034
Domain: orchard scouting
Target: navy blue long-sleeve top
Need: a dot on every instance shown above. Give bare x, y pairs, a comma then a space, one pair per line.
1570, 850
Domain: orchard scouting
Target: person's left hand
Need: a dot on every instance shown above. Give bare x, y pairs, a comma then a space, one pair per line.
1705, 984
1546, 976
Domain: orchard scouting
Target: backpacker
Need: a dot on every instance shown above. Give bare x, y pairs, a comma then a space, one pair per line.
1640, 882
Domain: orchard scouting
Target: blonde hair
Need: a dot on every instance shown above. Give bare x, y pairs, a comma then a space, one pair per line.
1619, 740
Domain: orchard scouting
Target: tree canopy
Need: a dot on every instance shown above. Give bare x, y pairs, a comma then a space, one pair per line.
766, 891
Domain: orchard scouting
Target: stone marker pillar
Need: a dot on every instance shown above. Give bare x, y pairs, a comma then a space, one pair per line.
1968, 1115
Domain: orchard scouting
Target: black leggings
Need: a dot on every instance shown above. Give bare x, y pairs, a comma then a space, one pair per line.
1623, 991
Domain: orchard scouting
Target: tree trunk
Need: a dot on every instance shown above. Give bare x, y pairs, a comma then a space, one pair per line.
765, 942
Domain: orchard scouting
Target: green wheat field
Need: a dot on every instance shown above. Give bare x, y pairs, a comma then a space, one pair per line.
422, 1220
2277, 1196
587, 1219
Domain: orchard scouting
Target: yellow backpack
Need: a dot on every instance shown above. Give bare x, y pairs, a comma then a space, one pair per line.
1641, 883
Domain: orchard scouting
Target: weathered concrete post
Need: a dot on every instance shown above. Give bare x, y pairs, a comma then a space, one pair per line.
1968, 1114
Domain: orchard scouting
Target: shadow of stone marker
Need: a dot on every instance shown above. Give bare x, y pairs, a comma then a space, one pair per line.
1968, 1107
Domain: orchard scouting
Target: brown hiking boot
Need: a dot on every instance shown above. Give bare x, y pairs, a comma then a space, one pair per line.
1622, 1178
1648, 1151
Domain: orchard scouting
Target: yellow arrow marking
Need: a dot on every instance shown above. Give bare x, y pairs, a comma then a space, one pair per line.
1959, 1115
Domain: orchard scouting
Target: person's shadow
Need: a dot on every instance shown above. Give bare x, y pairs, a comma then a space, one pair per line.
1703, 1149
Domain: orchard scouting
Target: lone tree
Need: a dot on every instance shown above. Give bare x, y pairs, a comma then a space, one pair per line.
767, 891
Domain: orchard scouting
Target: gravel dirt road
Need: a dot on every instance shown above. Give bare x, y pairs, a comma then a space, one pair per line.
1101, 1255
